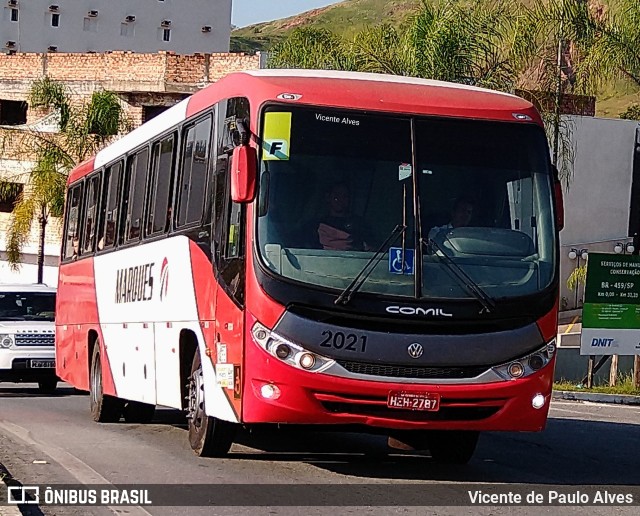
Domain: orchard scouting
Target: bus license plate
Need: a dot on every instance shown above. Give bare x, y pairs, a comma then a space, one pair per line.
43, 364
413, 401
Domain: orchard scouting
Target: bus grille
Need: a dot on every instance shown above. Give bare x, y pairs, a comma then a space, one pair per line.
35, 339
397, 371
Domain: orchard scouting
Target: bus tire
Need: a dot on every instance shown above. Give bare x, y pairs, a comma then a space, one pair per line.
104, 408
208, 436
452, 446
138, 412
47, 386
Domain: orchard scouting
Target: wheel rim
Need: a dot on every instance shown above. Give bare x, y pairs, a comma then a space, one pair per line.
96, 382
196, 413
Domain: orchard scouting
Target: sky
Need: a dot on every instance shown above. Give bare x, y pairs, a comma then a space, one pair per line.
247, 12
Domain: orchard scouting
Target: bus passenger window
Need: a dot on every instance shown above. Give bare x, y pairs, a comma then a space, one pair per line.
137, 166
161, 187
90, 215
109, 207
72, 233
195, 162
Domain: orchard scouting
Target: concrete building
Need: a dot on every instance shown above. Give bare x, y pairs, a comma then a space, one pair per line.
181, 26
146, 84
602, 204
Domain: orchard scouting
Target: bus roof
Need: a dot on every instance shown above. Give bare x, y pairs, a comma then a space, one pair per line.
348, 90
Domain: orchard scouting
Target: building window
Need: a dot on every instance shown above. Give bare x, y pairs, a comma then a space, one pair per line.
149, 112
13, 112
90, 24
166, 34
9, 196
55, 19
14, 15
127, 30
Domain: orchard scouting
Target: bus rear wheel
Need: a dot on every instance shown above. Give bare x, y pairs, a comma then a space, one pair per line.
138, 412
104, 408
208, 436
453, 446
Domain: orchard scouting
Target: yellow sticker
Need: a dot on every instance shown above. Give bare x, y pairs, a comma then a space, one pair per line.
276, 136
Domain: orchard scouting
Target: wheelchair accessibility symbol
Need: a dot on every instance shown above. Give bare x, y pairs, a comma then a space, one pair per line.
395, 261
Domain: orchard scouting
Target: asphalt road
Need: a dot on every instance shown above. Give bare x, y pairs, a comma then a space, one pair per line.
51, 439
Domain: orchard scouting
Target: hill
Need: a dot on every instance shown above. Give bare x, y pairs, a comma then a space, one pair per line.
346, 17
350, 16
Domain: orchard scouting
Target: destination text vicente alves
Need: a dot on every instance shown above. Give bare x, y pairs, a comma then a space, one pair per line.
134, 284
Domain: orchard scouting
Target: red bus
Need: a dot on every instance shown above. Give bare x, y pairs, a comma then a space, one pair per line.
304, 247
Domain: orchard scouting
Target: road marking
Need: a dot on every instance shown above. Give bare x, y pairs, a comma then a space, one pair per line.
572, 323
82, 472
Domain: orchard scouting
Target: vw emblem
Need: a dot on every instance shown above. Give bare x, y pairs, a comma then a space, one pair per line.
415, 350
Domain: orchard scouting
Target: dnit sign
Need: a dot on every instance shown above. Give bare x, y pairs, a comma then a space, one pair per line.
611, 312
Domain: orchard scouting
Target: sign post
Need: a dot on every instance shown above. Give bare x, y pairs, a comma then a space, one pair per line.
611, 311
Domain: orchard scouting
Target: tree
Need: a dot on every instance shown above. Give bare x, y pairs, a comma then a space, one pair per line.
468, 42
83, 129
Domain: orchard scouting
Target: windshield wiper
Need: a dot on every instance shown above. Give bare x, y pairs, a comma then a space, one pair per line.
476, 290
365, 272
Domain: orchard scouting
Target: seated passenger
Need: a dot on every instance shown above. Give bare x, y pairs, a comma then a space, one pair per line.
460, 217
339, 229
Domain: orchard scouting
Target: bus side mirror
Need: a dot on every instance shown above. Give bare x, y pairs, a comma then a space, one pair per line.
557, 190
244, 164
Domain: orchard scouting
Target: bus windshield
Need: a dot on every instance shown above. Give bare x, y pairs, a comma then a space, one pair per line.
336, 185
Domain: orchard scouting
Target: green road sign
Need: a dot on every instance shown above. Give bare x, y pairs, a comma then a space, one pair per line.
611, 312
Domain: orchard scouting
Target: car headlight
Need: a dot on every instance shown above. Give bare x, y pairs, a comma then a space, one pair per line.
289, 352
527, 365
6, 341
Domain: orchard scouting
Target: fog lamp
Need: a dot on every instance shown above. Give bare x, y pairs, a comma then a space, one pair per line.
538, 401
270, 391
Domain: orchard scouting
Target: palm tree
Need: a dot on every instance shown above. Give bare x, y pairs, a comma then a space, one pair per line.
447, 40
83, 130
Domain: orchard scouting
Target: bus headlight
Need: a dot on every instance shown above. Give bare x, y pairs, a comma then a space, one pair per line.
289, 352
6, 341
527, 365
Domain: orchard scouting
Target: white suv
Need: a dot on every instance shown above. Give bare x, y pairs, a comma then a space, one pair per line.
27, 335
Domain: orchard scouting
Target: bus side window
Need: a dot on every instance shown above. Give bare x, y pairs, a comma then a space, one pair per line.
90, 214
229, 216
72, 230
196, 148
161, 186
109, 207
137, 169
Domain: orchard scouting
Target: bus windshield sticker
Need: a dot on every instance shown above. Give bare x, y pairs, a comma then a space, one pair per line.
222, 354
276, 137
224, 375
404, 171
395, 261
334, 119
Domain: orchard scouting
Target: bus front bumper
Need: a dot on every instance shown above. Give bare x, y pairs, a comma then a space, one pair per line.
298, 397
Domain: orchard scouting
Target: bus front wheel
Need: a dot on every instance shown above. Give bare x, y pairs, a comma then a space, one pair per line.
104, 408
453, 446
208, 436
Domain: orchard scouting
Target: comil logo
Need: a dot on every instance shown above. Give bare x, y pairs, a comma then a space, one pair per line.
409, 310
164, 278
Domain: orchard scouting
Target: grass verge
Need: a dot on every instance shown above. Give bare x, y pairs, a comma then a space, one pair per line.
624, 386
